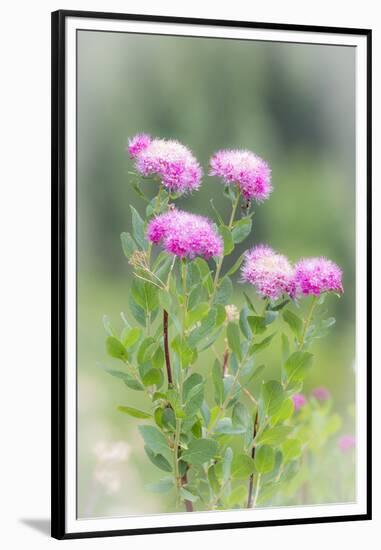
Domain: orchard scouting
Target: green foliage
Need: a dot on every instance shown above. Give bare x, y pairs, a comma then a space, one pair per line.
264, 459
213, 434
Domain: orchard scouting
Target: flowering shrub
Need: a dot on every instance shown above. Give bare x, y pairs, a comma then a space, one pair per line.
233, 438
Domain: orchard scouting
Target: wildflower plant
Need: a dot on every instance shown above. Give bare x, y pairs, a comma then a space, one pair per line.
225, 434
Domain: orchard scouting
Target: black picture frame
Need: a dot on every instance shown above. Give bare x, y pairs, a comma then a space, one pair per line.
58, 288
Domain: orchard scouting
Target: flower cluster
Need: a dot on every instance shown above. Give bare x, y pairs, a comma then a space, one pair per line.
272, 274
245, 169
299, 401
317, 275
171, 161
185, 235
269, 272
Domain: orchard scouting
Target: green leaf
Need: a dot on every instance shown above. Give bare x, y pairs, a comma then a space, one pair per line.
131, 336
273, 397
264, 459
237, 496
116, 349
259, 346
128, 244
145, 295
138, 229
165, 299
273, 436
285, 411
205, 273
225, 426
107, 326
244, 324
158, 358
196, 314
136, 310
127, 379
224, 291
187, 495
285, 348
232, 333
294, 322
235, 266
241, 230
191, 382
204, 329
227, 463
243, 466
227, 238
200, 451
155, 441
257, 324
146, 350
158, 460
213, 480
297, 365
163, 486
136, 413
249, 303
153, 377
240, 416
194, 401
218, 383
291, 449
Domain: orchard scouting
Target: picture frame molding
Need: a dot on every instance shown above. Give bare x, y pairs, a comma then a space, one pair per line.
58, 268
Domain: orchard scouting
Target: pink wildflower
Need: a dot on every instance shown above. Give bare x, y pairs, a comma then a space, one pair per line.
321, 393
299, 401
251, 173
317, 275
171, 161
346, 443
184, 234
269, 272
137, 144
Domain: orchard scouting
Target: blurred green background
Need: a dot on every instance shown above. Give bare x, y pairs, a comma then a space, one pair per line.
292, 104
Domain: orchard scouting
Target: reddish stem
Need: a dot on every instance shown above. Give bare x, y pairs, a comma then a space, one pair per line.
166, 349
251, 479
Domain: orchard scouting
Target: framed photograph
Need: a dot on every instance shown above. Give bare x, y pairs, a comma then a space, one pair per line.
211, 357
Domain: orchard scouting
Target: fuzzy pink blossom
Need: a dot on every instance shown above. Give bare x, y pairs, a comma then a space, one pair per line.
317, 275
346, 443
299, 401
269, 272
185, 235
138, 143
169, 160
245, 169
321, 393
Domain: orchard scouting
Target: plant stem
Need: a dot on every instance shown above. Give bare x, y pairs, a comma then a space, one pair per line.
251, 479
188, 503
225, 364
221, 259
176, 457
257, 490
307, 321
166, 349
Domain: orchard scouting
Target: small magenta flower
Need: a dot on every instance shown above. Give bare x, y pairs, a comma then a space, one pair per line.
269, 272
299, 401
169, 160
321, 393
317, 275
346, 443
138, 143
185, 235
245, 169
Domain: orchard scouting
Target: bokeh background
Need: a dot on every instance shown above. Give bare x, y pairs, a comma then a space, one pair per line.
293, 104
